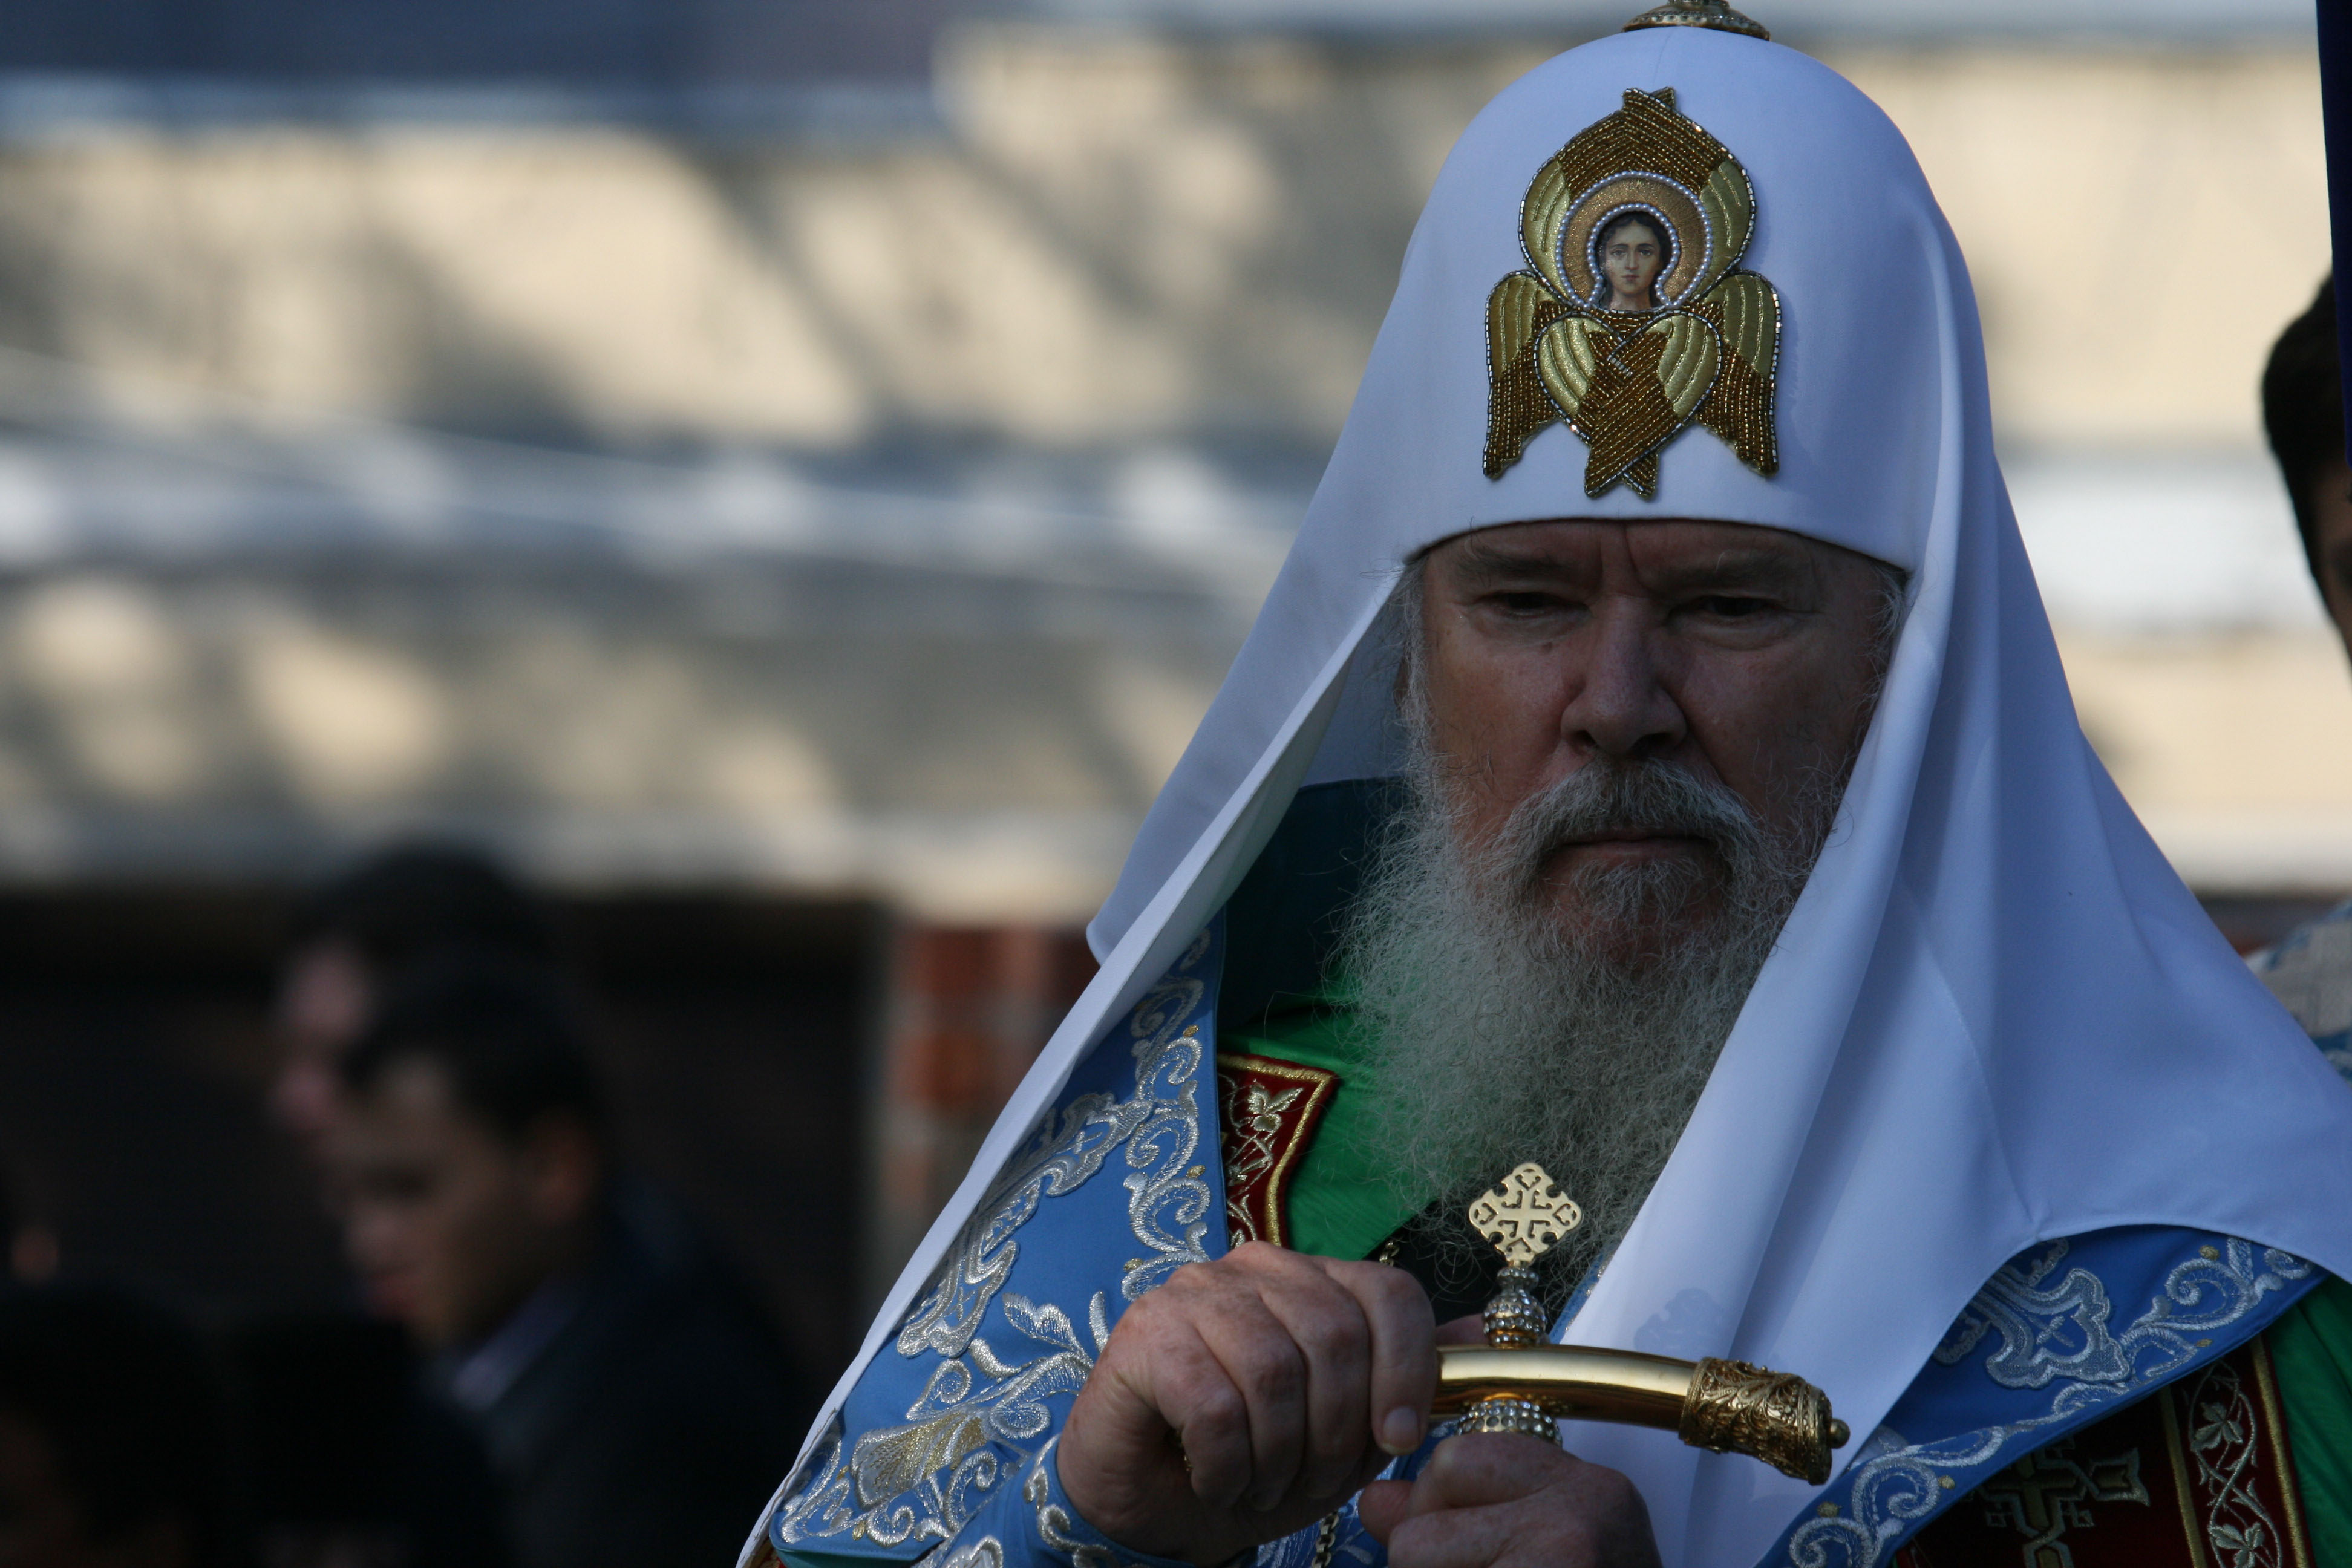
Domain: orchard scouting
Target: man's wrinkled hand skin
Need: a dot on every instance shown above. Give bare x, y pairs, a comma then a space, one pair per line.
1246, 1398
1494, 1500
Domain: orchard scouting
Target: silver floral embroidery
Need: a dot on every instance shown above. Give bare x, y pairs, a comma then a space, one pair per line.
1054, 1526
2223, 1437
927, 1477
925, 1480
1066, 1152
986, 1553
2059, 1335
1166, 1197
2045, 1334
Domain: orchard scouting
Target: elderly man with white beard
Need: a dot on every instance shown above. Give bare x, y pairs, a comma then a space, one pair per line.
1626, 743
1653, 766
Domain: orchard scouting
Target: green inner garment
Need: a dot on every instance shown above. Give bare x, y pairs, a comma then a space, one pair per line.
1340, 1202
2310, 1350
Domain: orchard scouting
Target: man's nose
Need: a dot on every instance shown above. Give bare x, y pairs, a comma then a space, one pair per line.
1621, 706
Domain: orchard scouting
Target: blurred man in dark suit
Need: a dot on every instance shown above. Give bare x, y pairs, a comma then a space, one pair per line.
2310, 970
633, 1397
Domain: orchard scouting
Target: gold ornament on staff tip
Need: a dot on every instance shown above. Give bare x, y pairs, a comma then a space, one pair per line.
1716, 14
1517, 1383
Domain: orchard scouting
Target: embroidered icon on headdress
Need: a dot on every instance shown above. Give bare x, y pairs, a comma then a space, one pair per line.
1634, 323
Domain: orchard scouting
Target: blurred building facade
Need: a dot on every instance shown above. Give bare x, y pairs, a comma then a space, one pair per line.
635, 496
841, 485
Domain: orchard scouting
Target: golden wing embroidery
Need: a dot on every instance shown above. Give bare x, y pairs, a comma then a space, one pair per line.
1517, 312
1746, 311
1567, 357
1629, 396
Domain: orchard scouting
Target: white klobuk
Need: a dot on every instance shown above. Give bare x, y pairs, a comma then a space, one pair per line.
1996, 1016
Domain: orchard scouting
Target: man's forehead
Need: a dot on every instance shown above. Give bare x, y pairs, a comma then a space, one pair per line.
412, 1097
1677, 546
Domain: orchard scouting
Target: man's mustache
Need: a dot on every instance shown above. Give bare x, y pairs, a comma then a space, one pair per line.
1642, 798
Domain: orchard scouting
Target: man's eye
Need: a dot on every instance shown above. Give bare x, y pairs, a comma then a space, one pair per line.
1732, 607
1526, 603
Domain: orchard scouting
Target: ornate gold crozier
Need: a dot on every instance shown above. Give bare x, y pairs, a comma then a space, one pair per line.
1517, 1383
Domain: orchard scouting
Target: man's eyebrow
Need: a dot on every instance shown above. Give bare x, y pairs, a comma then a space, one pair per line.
1501, 561
1733, 564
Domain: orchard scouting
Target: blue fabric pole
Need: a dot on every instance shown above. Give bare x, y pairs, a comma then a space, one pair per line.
2336, 97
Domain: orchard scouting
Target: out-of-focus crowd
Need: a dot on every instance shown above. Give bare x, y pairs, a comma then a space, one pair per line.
543, 1363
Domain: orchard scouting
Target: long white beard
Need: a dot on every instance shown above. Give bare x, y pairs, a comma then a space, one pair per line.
1497, 1036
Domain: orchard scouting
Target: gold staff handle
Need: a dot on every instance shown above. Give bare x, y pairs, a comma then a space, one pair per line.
1517, 1383
1729, 1406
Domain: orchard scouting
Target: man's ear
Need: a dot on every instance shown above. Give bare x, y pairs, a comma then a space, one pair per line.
1401, 690
563, 1167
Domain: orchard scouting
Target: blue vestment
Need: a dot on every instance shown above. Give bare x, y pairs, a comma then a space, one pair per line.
947, 1441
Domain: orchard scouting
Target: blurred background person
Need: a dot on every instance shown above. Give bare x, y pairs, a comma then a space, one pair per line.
113, 1437
359, 933
2303, 415
354, 1459
633, 1397
2310, 969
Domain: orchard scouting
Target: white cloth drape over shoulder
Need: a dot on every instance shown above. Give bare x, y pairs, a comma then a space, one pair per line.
1995, 1016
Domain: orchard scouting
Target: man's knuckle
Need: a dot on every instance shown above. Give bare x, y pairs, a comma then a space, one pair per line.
1186, 1280
1274, 1372
1332, 1337
1400, 1290
1215, 1408
1602, 1487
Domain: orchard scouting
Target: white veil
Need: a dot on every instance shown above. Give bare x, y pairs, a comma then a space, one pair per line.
1996, 1016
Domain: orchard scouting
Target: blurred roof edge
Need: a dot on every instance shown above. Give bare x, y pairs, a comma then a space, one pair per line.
36, 105
45, 104
1808, 22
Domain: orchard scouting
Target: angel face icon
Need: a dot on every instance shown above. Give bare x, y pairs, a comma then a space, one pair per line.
1633, 319
1630, 253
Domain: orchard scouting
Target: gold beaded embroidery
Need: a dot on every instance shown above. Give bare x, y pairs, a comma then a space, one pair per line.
1704, 351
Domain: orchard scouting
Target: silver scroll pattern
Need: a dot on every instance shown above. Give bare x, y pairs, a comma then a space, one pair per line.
923, 1481
2050, 1335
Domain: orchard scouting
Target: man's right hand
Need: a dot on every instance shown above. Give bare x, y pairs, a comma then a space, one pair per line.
1246, 1398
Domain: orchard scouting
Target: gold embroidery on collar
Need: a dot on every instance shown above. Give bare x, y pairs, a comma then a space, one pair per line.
1700, 346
